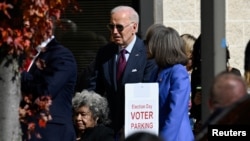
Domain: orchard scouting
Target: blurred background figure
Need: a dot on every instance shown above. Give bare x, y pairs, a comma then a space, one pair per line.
227, 90
196, 88
189, 43
143, 136
229, 67
247, 65
91, 117
196, 96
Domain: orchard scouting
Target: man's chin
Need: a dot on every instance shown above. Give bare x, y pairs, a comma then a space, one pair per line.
119, 42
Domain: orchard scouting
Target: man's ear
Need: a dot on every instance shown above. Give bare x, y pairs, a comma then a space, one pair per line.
135, 27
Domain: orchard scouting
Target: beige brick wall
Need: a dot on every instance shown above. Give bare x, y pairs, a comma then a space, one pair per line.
184, 16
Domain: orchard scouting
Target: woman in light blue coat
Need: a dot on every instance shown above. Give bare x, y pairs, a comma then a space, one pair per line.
167, 48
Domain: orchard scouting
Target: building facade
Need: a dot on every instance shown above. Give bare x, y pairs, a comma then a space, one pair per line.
184, 15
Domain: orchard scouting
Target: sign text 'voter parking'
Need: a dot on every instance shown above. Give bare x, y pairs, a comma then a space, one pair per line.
141, 112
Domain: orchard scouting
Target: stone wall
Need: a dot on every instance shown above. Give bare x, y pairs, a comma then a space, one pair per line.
184, 16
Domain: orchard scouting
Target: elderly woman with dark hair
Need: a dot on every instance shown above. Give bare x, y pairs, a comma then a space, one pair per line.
91, 117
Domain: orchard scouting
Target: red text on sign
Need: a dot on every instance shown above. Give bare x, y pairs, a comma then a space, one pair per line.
142, 115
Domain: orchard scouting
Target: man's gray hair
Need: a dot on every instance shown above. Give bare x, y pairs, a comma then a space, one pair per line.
134, 17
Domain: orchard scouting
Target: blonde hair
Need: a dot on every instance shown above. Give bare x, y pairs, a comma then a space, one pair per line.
189, 43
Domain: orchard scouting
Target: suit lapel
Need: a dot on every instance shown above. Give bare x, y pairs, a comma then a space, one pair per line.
133, 59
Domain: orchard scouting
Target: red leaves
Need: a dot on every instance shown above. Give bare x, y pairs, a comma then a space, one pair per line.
36, 24
56, 13
24, 25
4, 7
44, 103
18, 41
31, 130
42, 123
34, 113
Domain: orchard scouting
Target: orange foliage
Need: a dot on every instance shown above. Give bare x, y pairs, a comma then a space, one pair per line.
26, 23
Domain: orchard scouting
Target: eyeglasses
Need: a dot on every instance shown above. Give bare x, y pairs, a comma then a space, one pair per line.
119, 27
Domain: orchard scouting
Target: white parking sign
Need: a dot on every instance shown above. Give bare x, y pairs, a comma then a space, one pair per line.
141, 108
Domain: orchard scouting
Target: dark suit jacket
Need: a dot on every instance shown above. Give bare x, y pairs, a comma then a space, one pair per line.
138, 69
57, 80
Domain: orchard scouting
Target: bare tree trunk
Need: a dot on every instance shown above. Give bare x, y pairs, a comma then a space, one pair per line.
9, 100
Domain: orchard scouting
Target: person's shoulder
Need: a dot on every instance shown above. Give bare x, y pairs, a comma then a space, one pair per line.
179, 67
104, 128
138, 39
179, 70
103, 132
139, 42
61, 49
54, 45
